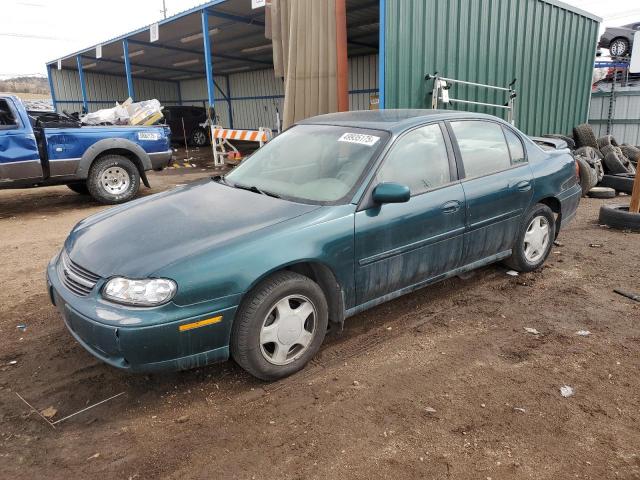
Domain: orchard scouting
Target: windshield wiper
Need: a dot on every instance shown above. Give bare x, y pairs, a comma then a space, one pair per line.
220, 179
255, 189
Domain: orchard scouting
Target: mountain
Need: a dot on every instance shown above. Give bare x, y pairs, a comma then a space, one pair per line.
25, 84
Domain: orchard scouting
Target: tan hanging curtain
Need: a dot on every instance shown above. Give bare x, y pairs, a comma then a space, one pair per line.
309, 52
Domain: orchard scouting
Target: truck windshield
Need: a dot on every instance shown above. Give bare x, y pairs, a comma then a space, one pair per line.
311, 163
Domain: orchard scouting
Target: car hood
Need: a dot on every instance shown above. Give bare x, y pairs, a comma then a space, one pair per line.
137, 239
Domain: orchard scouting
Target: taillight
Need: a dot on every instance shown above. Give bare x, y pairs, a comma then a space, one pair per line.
577, 169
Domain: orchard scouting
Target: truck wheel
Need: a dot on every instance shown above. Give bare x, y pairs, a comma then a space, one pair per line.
79, 187
199, 138
534, 241
280, 326
113, 179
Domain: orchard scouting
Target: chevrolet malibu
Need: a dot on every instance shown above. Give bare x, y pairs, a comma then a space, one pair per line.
338, 214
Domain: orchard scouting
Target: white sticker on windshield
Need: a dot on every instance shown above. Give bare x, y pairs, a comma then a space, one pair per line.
359, 138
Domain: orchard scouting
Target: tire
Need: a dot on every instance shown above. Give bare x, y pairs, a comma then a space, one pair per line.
619, 47
593, 158
588, 177
631, 152
607, 140
113, 179
613, 164
620, 183
252, 321
584, 136
589, 152
79, 187
199, 138
570, 141
602, 192
520, 260
619, 217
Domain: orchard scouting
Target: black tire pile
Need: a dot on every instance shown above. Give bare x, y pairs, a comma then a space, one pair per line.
606, 168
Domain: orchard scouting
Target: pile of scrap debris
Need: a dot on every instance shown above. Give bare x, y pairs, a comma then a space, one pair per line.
129, 112
606, 168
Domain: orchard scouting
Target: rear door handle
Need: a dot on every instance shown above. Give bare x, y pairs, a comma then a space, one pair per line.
451, 206
523, 186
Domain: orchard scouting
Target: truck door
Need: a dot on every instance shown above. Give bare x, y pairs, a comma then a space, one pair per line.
19, 157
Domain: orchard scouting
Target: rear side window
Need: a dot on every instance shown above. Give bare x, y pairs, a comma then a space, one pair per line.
418, 160
482, 146
515, 147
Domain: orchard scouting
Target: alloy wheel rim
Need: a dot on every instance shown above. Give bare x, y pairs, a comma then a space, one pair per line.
536, 239
288, 330
115, 180
617, 48
199, 137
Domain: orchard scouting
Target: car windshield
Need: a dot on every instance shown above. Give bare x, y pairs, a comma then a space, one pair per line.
310, 163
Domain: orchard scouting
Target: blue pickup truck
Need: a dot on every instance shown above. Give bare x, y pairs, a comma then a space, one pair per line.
107, 162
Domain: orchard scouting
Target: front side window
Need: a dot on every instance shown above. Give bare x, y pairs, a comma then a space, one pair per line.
418, 160
311, 163
482, 146
515, 147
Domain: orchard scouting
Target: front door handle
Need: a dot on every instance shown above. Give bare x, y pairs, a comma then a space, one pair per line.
451, 206
523, 186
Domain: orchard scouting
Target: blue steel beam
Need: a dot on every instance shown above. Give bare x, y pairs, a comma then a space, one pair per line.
198, 52
381, 53
236, 18
83, 87
206, 42
144, 65
53, 90
127, 69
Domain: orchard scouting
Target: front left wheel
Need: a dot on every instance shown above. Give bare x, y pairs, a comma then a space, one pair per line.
280, 326
534, 241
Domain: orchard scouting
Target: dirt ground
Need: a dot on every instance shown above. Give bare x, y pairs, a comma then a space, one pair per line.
442, 383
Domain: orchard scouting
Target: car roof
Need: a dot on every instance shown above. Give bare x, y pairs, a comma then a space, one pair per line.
391, 120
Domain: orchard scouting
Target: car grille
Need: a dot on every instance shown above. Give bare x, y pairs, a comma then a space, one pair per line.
77, 279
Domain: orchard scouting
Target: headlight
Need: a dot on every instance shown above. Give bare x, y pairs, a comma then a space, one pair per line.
145, 293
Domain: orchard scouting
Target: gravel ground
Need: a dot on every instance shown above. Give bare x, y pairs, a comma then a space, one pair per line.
442, 383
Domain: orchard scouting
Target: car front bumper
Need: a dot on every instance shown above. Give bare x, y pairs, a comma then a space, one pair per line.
103, 329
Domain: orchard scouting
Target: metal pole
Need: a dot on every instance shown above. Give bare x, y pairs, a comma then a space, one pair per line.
127, 68
381, 55
341, 54
229, 101
83, 88
51, 87
207, 58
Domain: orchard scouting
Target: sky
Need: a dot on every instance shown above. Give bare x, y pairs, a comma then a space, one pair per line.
33, 32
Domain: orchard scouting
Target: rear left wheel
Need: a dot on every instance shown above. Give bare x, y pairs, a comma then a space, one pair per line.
534, 241
280, 326
113, 179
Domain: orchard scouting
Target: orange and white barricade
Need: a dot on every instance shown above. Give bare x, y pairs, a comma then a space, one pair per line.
222, 148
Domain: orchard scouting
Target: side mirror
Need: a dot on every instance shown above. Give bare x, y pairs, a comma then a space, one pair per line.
391, 193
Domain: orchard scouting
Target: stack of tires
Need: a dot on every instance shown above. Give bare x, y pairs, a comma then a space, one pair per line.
606, 168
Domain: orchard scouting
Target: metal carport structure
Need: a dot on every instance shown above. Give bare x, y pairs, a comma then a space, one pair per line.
213, 54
